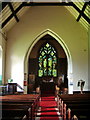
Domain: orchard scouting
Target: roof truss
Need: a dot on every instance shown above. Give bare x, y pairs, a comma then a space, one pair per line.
23, 4
13, 12
81, 12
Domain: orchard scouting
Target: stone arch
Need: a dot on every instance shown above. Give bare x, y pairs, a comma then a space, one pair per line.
65, 48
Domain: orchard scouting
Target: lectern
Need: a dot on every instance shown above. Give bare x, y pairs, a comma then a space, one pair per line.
12, 88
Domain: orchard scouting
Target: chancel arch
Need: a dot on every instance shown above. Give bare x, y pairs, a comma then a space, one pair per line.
33, 52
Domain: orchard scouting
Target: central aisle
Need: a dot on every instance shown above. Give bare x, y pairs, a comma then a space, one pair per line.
48, 108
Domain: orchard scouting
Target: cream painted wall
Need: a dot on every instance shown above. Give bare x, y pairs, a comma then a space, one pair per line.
3, 46
89, 59
36, 20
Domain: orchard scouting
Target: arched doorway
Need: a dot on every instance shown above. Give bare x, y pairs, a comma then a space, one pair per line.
47, 59
50, 36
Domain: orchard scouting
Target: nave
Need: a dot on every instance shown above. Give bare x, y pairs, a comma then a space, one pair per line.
45, 107
48, 108
44, 47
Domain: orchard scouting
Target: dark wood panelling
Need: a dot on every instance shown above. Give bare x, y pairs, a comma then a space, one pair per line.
62, 66
33, 66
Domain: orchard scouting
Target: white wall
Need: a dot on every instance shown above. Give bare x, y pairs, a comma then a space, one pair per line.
3, 47
36, 20
89, 58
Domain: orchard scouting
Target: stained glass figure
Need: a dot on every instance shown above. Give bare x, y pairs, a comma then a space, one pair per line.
47, 61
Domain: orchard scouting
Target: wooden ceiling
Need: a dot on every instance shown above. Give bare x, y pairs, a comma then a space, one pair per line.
80, 10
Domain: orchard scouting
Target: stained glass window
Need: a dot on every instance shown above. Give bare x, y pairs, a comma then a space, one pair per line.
47, 61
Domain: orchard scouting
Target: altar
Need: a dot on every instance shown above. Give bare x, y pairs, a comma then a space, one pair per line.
47, 86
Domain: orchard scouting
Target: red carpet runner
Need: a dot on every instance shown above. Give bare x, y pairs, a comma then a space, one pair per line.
48, 108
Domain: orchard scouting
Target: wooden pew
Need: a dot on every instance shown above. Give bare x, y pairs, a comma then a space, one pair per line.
63, 110
34, 97
20, 108
16, 113
79, 104
28, 97
20, 104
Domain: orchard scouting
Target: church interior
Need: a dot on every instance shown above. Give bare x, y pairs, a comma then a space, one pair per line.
45, 60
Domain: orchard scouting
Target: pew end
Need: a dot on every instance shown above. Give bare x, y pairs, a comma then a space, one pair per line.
74, 117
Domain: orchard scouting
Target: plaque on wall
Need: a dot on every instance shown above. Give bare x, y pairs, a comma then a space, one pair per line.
31, 78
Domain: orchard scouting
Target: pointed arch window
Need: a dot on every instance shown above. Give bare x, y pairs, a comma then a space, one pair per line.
47, 61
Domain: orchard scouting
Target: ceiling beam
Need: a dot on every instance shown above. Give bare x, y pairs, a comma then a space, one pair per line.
13, 12
47, 4
3, 5
82, 11
11, 16
34, 4
83, 15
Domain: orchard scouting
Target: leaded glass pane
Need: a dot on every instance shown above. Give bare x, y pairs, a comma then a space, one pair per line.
45, 72
54, 72
47, 45
50, 62
40, 74
47, 61
49, 71
43, 53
